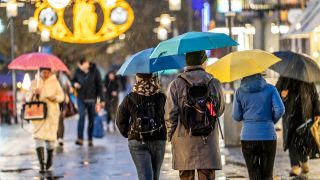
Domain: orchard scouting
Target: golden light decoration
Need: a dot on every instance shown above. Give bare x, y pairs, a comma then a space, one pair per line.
118, 17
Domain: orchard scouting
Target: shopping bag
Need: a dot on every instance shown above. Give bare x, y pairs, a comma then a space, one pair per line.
34, 110
98, 130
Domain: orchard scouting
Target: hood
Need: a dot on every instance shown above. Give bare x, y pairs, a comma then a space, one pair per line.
197, 75
254, 83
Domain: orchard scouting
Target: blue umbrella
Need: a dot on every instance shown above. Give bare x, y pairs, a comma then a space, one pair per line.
141, 63
193, 41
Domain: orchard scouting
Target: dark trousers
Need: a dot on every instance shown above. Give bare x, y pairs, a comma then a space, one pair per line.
83, 107
148, 158
203, 174
60, 133
259, 157
296, 156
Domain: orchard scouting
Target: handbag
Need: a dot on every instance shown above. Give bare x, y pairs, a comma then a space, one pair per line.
34, 110
69, 109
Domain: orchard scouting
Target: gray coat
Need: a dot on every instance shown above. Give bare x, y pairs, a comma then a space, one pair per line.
190, 152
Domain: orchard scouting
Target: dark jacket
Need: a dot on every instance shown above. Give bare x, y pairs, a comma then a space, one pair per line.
91, 84
127, 111
110, 86
259, 106
302, 103
189, 152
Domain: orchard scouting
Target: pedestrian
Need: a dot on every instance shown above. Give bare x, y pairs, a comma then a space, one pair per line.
140, 118
258, 105
48, 89
87, 82
302, 103
112, 88
66, 86
188, 97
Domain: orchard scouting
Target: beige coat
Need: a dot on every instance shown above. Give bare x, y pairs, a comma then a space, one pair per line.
190, 152
49, 89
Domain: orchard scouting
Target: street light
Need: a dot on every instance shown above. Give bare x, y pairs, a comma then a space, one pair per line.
12, 11
162, 33
165, 20
45, 35
32, 25
175, 5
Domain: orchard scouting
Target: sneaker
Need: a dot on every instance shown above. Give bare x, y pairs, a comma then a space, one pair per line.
111, 127
295, 171
90, 143
305, 167
79, 142
60, 142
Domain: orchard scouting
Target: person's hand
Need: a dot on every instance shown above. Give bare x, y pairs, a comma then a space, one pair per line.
114, 93
102, 104
51, 99
317, 119
284, 93
37, 91
77, 85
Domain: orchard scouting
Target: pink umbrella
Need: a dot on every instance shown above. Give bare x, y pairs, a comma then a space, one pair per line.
34, 61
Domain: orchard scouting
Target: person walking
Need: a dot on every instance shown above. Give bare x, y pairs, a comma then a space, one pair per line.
66, 87
112, 89
302, 103
87, 82
192, 127
259, 106
140, 118
47, 89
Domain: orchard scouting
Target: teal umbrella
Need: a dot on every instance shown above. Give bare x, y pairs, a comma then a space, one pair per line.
193, 41
141, 63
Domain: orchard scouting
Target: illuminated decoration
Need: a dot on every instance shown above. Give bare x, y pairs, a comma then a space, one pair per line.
48, 17
58, 4
117, 17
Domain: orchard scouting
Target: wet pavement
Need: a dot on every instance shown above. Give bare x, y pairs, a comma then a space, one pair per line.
109, 159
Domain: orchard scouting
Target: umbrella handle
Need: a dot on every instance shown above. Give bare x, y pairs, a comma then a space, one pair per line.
38, 78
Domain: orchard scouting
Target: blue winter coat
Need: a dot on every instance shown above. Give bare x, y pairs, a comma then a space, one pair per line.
259, 106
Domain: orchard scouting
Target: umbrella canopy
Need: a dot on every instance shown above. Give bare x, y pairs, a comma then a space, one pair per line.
193, 41
297, 66
34, 61
141, 63
240, 64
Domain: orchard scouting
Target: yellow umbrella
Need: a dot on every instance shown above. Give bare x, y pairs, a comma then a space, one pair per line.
240, 64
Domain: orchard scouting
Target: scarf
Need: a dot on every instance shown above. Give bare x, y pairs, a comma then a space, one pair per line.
146, 87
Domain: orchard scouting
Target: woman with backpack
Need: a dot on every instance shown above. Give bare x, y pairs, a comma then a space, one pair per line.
259, 106
140, 118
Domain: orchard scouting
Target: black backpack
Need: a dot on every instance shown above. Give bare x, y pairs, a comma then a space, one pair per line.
146, 120
198, 109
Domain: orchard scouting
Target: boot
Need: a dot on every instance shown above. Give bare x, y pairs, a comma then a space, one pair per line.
40, 154
49, 159
295, 171
305, 167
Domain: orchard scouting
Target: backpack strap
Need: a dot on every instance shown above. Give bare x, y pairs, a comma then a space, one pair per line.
181, 76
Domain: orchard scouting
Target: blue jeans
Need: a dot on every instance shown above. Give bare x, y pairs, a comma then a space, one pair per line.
147, 158
84, 106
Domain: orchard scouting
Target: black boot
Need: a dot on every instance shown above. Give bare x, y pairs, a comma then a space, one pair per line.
40, 153
49, 158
